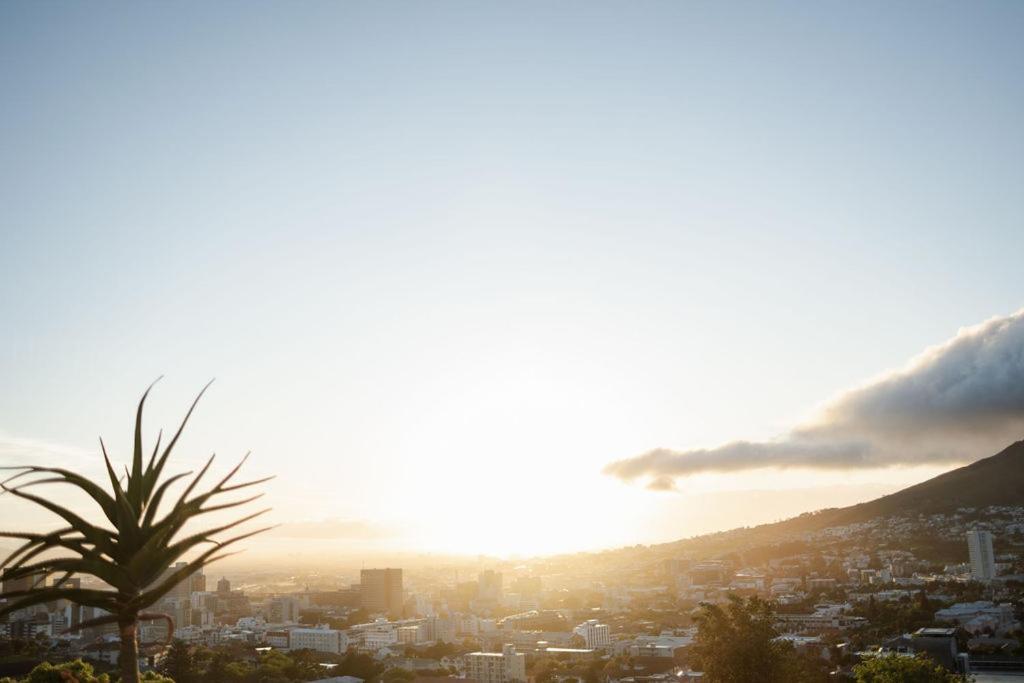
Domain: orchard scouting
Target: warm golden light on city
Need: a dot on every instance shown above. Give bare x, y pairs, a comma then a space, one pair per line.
575, 342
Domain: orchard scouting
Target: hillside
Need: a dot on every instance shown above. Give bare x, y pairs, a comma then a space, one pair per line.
995, 480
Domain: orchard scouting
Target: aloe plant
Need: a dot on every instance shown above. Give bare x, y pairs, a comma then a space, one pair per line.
131, 551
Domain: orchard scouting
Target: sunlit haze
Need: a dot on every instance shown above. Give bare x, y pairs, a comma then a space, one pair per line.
459, 269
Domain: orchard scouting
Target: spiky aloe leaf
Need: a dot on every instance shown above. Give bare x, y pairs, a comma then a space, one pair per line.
134, 554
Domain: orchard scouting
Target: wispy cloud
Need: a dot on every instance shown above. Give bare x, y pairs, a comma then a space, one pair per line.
16, 450
955, 402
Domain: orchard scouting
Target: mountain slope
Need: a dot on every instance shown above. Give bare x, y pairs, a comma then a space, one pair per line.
996, 480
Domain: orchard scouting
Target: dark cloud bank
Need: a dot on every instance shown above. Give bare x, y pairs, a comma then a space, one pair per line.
955, 402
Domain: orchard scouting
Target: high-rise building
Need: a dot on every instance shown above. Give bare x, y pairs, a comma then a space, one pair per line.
223, 586
382, 591
527, 585
496, 667
282, 610
204, 606
23, 583
983, 560
594, 634
489, 583
180, 611
197, 582
183, 589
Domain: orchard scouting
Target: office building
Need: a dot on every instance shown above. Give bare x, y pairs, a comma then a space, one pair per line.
375, 635
277, 638
178, 609
183, 588
489, 585
23, 583
204, 607
197, 582
282, 610
527, 585
594, 635
382, 591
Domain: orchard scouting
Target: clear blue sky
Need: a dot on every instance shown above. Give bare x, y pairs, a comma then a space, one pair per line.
417, 242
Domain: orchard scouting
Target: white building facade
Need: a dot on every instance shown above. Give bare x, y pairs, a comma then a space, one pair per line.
594, 634
318, 639
983, 561
496, 667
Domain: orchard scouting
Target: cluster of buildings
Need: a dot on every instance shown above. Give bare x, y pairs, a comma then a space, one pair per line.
497, 624
188, 603
225, 615
858, 569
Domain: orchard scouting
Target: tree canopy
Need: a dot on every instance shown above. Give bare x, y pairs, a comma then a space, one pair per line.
738, 643
894, 668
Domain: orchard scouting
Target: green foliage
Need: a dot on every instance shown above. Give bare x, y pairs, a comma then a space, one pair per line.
216, 664
886, 618
137, 547
397, 675
546, 668
359, 665
618, 666
179, 664
592, 672
22, 649
233, 663
75, 671
277, 666
234, 672
436, 651
737, 644
895, 668
154, 677
132, 550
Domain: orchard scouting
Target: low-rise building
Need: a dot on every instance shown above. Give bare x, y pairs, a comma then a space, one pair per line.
979, 616
277, 638
496, 667
663, 645
318, 639
824, 618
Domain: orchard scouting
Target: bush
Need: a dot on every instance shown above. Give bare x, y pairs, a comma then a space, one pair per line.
895, 668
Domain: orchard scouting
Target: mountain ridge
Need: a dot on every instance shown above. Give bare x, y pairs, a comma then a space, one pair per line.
995, 480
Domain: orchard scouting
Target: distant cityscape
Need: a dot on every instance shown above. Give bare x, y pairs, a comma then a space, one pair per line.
841, 594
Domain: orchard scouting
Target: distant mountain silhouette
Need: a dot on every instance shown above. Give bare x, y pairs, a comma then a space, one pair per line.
995, 480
